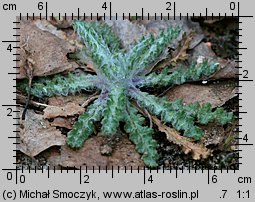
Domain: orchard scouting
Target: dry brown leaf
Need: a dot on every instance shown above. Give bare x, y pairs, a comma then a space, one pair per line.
62, 122
127, 31
63, 22
154, 26
47, 26
198, 151
90, 154
227, 67
36, 135
227, 70
201, 50
47, 51
216, 93
64, 100
180, 51
69, 109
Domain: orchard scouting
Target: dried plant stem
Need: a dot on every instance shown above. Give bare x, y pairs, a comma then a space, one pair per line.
90, 99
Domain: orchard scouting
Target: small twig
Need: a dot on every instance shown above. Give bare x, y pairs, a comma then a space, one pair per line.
90, 99
149, 116
165, 91
144, 112
29, 73
22, 99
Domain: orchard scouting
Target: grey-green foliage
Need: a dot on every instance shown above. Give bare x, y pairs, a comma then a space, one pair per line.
59, 85
120, 74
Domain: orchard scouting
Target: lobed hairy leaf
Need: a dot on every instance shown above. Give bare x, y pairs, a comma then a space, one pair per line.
205, 114
183, 117
180, 75
119, 74
59, 84
148, 49
84, 126
141, 136
97, 46
113, 111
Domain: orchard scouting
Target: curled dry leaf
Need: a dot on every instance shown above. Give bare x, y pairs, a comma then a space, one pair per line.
180, 53
36, 135
69, 109
198, 151
47, 51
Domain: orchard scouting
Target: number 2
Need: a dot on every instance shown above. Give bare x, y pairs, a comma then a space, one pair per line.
169, 6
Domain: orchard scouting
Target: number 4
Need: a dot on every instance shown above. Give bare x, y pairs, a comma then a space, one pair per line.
104, 6
150, 179
9, 48
245, 138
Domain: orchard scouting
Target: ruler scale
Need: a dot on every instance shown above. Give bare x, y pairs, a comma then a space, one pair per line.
126, 183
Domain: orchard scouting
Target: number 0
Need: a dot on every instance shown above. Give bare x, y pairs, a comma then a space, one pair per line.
9, 176
232, 6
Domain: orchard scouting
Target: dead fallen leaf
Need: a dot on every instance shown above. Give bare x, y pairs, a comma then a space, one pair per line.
90, 155
63, 22
47, 51
203, 50
62, 122
198, 151
69, 109
127, 31
63, 100
47, 26
180, 53
227, 67
227, 70
216, 93
36, 135
154, 26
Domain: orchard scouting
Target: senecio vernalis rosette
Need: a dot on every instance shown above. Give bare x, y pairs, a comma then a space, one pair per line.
119, 76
